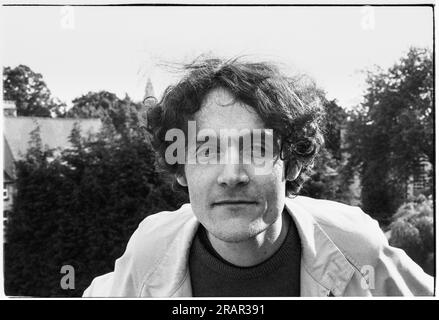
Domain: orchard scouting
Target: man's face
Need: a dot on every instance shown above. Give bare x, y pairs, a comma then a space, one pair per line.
232, 200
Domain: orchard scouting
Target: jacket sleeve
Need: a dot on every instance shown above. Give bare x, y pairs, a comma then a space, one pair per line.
100, 286
123, 281
379, 269
390, 271
398, 275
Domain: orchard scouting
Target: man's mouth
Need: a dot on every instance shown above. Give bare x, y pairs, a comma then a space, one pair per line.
234, 202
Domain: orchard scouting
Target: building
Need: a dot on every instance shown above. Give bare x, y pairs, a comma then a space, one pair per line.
149, 90
9, 109
422, 181
149, 96
8, 176
54, 133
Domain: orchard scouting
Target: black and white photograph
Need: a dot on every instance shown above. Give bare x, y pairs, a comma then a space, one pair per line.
208, 150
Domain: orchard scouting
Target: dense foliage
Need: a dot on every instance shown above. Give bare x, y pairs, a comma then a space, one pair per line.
412, 229
79, 208
392, 133
328, 179
30, 93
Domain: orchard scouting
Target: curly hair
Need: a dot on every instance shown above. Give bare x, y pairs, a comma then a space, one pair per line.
293, 112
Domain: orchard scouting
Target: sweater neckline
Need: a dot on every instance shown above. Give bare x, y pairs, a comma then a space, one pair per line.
289, 249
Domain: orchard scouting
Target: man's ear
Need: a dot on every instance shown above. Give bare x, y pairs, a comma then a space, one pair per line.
181, 179
293, 171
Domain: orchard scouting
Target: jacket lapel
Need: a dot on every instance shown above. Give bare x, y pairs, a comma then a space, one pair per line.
171, 276
324, 269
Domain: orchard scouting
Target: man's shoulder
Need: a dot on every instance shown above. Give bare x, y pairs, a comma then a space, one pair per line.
168, 219
333, 213
156, 232
354, 232
161, 227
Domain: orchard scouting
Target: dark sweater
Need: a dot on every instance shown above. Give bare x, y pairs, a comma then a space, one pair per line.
212, 276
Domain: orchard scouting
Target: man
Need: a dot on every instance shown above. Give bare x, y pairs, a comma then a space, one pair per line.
239, 138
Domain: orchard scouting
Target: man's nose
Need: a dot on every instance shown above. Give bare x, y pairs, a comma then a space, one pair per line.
233, 175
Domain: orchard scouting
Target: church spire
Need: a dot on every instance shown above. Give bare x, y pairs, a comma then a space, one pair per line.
149, 90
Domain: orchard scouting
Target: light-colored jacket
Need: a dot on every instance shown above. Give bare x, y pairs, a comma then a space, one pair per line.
344, 253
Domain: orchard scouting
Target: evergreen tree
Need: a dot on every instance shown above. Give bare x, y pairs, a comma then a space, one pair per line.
80, 208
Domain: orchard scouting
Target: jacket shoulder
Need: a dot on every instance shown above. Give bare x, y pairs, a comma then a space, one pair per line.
354, 232
162, 225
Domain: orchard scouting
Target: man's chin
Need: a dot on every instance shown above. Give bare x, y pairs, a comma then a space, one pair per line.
238, 231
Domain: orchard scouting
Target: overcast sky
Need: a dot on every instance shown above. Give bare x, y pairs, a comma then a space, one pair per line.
118, 48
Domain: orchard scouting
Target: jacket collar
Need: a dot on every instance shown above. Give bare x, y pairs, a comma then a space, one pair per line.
324, 269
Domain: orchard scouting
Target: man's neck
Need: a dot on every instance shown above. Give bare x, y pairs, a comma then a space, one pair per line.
254, 250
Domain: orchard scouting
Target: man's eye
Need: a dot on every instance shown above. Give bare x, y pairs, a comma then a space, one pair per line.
258, 150
206, 152
203, 152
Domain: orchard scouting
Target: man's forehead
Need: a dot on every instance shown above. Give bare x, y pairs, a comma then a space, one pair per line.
221, 110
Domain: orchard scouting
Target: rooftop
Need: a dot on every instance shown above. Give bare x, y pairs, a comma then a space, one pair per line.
54, 132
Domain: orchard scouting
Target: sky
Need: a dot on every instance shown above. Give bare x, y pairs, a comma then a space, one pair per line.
82, 49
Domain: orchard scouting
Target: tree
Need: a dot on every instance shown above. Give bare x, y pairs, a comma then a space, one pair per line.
122, 114
79, 209
327, 178
92, 105
335, 120
412, 229
30, 93
391, 132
